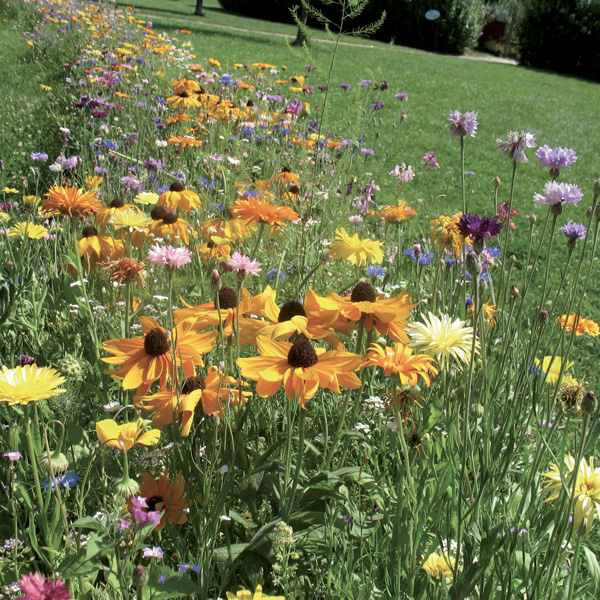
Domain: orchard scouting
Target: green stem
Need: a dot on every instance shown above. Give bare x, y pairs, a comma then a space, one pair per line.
574, 563
261, 229
34, 468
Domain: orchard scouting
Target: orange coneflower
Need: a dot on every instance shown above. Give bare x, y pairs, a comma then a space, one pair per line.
164, 496
191, 86
95, 248
389, 315
207, 315
255, 210
173, 226
177, 197
184, 141
230, 228
180, 118
183, 100
215, 393
127, 435
301, 368
157, 354
217, 248
70, 201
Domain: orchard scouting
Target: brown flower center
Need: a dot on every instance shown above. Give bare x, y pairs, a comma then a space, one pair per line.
153, 501
158, 213
227, 298
117, 203
170, 218
184, 94
302, 354
294, 189
292, 308
89, 231
363, 292
193, 383
156, 342
176, 186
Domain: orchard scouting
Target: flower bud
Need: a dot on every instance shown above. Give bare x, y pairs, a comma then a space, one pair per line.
556, 209
596, 187
588, 212
215, 281
514, 292
474, 264
589, 404
543, 317
597, 212
384, 85
126, 488
477, 410
497, 182
532, 218
139, 578
483, 285
57, 459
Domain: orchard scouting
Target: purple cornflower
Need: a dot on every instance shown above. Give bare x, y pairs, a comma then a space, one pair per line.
345, 86
309, 68
366, 83
377, 106
40, 156
463, 123
422, 259
367, 151
479, 228
574, 232
555, 158
323, 88
273, 98
401, 97
429, 162
516, 145
154, 164
557, 194
24, 359
131, 182
273, 273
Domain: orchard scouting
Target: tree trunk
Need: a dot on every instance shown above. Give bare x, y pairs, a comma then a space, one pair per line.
199, 12
300, 37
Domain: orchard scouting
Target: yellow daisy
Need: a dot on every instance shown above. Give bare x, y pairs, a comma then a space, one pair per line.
354, 250
28, 229
29, 383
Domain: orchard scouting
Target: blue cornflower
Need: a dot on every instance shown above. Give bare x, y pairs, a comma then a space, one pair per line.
273, 273
183, 567
376, 271
68, 480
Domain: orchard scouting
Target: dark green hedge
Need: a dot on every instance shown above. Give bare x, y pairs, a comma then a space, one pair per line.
460, 23
561, 35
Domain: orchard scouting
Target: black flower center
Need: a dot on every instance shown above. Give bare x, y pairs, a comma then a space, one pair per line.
363, 292
302, 354
158, 213
89, 231
193, 383
156, 342
292, 308
184, 94
227, 298
176, 186
117, 203
170, 218
153, 501
250, 103
294, 189
286, 170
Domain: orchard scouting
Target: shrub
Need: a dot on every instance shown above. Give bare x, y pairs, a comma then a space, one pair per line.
561, 35
460, 23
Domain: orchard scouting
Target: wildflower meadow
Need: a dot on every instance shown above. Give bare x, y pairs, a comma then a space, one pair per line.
254, 346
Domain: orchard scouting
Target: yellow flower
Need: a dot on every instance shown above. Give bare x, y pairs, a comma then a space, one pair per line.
30, 201
440, 563
127, 435
445, 232
133, 220
28, 229
247, 595
587, 489
93, 183
551, 368
396, 214
29, 383
442, 338
354, 250
46, 88
146, 198
8, 190
488, 313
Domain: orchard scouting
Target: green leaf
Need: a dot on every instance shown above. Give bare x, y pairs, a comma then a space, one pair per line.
593, 566
175, 585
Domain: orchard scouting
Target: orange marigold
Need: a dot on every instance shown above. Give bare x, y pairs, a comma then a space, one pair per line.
581, 326
256, 210
70, 201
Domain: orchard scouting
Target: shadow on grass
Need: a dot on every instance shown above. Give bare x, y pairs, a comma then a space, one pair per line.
186, 11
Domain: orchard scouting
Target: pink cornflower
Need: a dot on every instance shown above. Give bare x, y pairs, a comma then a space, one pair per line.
559, 194
36, 587
154, 552
172, 258
12, 456
463, 123
243, 265
516, 145
555, 158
